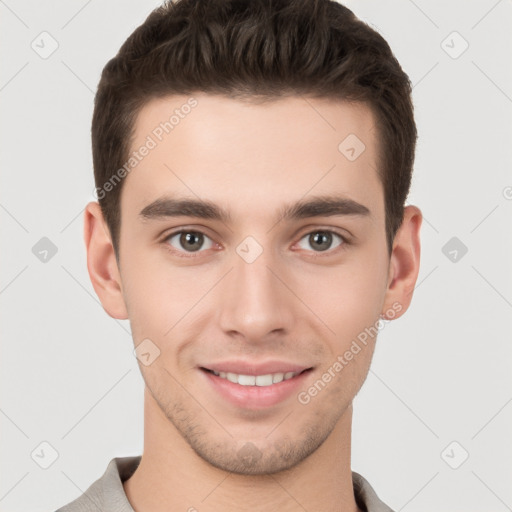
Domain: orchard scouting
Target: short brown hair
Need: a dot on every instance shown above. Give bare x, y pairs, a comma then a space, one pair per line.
263, 49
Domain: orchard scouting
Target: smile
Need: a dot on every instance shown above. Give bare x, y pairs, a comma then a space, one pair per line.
265, 388
255, 380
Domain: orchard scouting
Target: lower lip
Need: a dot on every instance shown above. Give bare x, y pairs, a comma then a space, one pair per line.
256, 397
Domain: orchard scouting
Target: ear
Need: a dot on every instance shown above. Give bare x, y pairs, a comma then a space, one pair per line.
404, 264
102, 264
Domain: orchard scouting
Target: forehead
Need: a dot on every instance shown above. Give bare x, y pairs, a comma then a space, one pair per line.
251, 157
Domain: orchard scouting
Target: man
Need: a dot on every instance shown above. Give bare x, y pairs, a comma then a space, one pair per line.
252, 161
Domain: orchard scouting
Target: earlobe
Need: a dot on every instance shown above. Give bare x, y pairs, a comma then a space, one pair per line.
102, 264
404, 264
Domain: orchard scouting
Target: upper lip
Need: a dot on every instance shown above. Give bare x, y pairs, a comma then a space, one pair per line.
255, 368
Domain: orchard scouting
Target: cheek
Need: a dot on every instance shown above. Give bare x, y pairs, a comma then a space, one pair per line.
346, 298
148, 294
161, 299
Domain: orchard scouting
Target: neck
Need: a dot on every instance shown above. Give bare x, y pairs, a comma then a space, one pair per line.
171, 476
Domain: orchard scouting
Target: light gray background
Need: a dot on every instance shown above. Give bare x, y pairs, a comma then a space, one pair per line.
440, 374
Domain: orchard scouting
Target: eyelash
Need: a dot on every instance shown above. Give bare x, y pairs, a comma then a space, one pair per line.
317, 254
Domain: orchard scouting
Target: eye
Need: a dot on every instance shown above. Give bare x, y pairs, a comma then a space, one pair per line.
187, 241
321, 240
190, 241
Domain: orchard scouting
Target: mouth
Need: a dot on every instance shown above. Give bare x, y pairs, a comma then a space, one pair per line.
255, 390
265, 380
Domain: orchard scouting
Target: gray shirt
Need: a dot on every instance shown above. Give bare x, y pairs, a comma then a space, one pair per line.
107, 493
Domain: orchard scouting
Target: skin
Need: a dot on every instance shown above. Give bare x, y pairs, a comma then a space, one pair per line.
212, 305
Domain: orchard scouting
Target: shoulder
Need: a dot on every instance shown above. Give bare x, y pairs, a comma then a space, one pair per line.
106, 493
366, 497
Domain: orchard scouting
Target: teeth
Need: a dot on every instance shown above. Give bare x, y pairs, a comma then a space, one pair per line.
263, 380
255, 380
247, 380
277, 377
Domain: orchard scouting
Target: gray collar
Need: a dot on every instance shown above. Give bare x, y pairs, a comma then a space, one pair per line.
107, 493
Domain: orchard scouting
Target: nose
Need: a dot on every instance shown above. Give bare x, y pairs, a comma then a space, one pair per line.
256, 302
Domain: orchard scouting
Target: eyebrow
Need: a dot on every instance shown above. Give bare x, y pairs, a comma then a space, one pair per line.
318, 206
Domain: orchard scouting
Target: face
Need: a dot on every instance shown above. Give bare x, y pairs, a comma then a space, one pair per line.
251, 305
